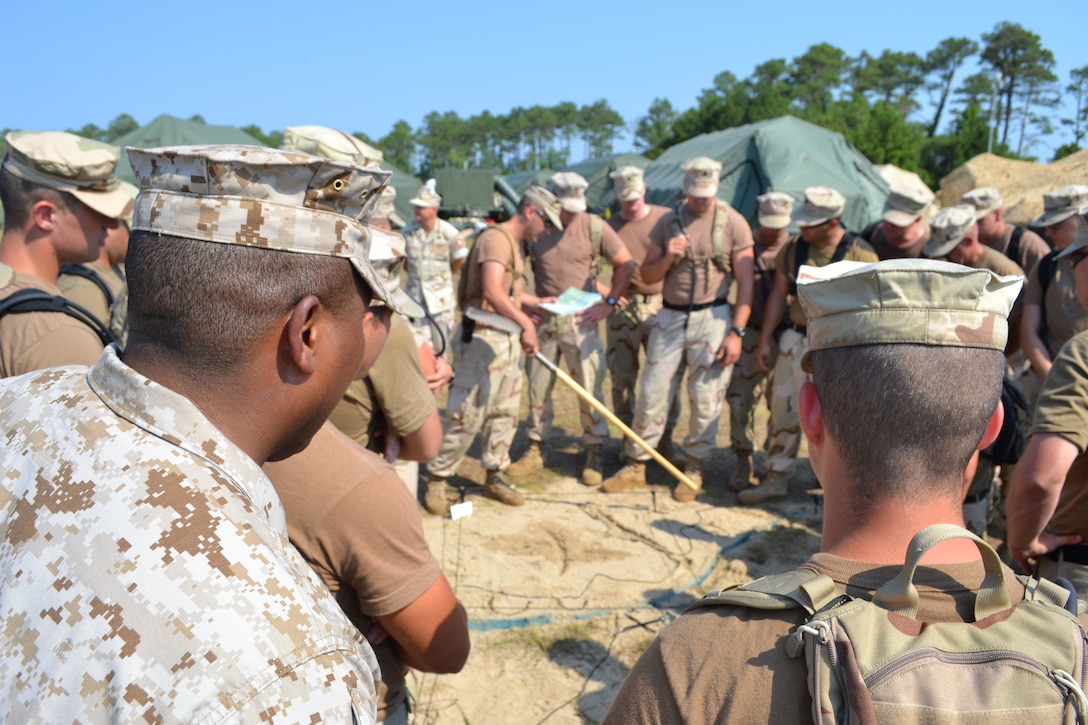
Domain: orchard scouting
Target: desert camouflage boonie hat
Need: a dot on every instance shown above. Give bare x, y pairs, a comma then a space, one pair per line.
571, 190
905, 204
546, 202
905, 301
387, 255
1060, 204
259, 197
331, 144
821, 205
984, 200
65, 162
702, 176
775, 209
628, 183
948, 228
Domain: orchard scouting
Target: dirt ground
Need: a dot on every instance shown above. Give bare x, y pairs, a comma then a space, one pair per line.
564, 593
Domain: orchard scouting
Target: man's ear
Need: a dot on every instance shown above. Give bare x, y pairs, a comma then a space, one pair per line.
300, 337
993, 428
43, 215
811, 413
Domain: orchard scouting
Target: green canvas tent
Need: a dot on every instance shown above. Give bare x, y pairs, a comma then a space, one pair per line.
783, 154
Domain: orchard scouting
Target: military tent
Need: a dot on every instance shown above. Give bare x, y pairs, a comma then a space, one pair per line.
783, 154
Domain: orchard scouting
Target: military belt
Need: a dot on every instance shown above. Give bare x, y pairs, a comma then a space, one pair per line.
695, 308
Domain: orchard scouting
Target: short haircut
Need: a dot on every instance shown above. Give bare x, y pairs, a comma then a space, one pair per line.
524, 204
18, 195
906, 418
209, 304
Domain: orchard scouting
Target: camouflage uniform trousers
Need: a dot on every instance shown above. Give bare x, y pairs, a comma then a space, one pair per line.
747, 385
697, 345
584, 354
423, 331
485, 396
628, 332
784, 437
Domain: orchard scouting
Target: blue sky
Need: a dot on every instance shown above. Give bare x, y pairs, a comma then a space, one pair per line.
362, 66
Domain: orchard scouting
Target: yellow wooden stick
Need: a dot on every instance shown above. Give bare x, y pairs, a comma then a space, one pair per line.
600, 408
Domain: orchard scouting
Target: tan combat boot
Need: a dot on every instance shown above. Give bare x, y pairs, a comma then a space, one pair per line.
683, 493
775, 486
435, 499
591, 474
530, 463
630, 476
496, 489
742, 474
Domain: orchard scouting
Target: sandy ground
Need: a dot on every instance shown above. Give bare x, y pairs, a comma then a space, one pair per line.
565, 592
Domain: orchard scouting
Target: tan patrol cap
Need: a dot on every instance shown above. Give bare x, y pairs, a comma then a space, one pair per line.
905, 301
259, 197
546, 202
905, 204
702, 177
427, 196
628, 183
775, 208
62, 161
571, 190
1060, 204
821, 205
985, 199
948, 228
330, 143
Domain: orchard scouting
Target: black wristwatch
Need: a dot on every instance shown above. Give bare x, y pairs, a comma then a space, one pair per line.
739, 330
611, 301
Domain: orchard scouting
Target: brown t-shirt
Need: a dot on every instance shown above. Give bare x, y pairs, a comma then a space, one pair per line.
1062, 408
729, 664
766, 262
859, 251
1032, 247
562, 260
395, 385
34, 340
696, 269
998, 263
886, 250
86, 293
358, 527
1065, 316
494, 244
636, 237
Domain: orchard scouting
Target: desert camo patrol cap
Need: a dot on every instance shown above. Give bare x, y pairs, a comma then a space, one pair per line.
546, 202
260, 197
775, 209
571, 190
905, 301
948, 228
905, 204
821, 205
628, 183
388, 256
702, 176
331, 144
62, 161
427, 197
985, 199
1060, 204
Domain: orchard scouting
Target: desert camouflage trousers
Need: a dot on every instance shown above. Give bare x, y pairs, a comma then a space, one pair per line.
423, 331
560, 337
628, 333
784, 437
747, 385
696, 344
485, 396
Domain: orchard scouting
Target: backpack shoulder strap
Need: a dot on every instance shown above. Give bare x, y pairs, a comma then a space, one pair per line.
80, 270
595, 223
1014, 245
717, 234
799, 247
801, 588
1046, 269
34, 300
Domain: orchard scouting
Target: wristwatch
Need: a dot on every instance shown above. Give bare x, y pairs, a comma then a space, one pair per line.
611, 301
739, 330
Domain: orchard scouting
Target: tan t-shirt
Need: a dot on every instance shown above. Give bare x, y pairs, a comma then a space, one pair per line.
358, 528
562, 260
729, 664
886, 250
696, 269
766, 262
1062, 408
395, 386
636, 237
86, 293
1032, 247
1065, 316
494, 245
859, 251
35, 340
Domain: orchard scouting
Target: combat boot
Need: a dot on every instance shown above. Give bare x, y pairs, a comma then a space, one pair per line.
435, 499
630, 476
742, 474
775, 486
591, 474
683, 493
496, 489
530, 463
